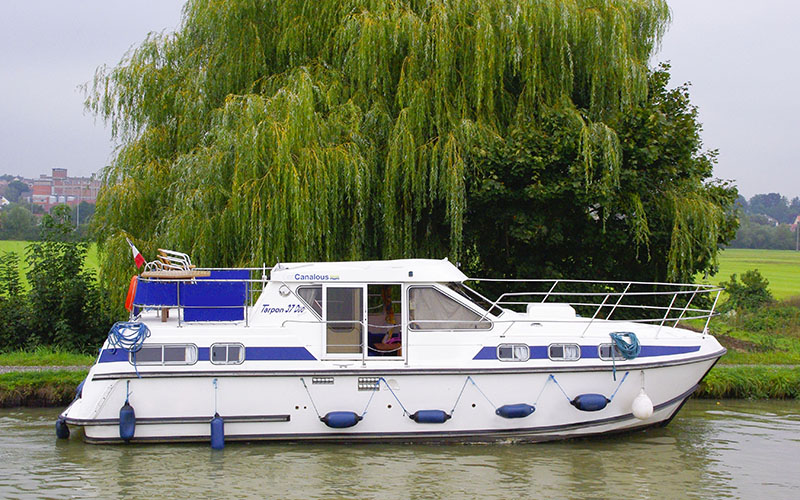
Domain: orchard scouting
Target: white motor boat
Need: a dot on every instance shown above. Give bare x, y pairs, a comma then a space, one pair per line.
400, 350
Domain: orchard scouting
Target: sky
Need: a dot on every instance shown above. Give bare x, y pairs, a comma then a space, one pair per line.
740, 56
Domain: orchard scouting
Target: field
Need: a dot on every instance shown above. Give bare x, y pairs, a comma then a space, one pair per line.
780, 267
19, 248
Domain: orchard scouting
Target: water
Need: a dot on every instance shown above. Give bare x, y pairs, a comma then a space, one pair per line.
731, 449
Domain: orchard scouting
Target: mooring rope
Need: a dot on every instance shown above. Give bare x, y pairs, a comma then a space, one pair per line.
377, 387
618, 386
130, 336
310, 398
628, 348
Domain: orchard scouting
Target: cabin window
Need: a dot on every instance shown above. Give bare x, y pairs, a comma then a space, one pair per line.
312, 296
227, 354
607, 351
165, 354
513, 352
564, 352
430, 309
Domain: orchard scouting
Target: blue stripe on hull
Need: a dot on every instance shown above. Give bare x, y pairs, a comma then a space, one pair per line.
591, 351
251, 354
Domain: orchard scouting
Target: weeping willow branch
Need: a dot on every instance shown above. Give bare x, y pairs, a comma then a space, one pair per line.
267, 130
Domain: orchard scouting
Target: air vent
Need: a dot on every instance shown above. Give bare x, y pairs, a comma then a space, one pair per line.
368, 384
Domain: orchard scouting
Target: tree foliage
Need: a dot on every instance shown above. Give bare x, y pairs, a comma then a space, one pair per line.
64, 306
776, 206
263, 131
657, 219
17, 223
757, 231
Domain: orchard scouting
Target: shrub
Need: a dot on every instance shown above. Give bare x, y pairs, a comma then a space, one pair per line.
750, 294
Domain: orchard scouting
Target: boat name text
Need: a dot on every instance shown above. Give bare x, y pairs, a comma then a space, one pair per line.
290, 309
315, 277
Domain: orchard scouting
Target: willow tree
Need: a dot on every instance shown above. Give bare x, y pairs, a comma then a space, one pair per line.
267, 130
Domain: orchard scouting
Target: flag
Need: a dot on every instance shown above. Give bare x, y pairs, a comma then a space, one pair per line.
137, 257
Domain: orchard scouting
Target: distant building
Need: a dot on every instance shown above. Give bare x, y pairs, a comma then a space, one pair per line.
59, 188
4, 201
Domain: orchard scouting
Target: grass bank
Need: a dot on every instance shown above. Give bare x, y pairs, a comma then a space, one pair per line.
751, 382
45, 356
39, 388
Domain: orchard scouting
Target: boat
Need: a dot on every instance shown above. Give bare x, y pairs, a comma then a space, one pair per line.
390, 351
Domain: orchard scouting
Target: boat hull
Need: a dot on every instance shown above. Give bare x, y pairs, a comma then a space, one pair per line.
288, 406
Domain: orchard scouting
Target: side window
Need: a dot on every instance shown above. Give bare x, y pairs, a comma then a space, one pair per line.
513, 352
227, 354
564, 352
430, 309
607, 351
312, 296
165, 354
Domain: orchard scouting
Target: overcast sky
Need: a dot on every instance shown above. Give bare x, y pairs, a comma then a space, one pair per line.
740, 57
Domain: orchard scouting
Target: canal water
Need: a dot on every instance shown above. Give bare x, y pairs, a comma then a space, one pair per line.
730, 449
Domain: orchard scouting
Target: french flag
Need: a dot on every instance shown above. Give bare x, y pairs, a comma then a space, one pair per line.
137, 257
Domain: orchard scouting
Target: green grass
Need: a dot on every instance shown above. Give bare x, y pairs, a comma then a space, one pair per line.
45, 356
753, 382
44, 388
18, 247
780, 267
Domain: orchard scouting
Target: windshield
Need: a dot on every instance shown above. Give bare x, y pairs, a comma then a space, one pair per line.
475, 298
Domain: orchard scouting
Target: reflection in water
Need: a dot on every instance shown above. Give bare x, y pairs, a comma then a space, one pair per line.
737, 449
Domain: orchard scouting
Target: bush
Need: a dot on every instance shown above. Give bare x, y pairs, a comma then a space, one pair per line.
750, 294
64, 307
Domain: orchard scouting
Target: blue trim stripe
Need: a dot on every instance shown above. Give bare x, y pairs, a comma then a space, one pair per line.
278, 354
113, 355
251, 354
592, 351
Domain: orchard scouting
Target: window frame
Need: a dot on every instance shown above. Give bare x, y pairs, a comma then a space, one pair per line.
513, 347
616, 355
188, 360
311, 306
227, 361
484, 317
563, 345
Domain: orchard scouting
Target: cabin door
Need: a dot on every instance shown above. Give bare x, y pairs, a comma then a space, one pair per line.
384, 321
344, 313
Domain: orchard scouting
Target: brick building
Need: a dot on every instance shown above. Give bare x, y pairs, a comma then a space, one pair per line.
59, 188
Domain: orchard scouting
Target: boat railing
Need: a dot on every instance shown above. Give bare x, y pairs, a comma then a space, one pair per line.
665, 304
232, 295
633, 301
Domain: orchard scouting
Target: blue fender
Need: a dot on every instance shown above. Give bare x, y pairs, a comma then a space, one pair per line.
590, 402
217, 432
127, 422
430, 416
520, 410
341, 419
